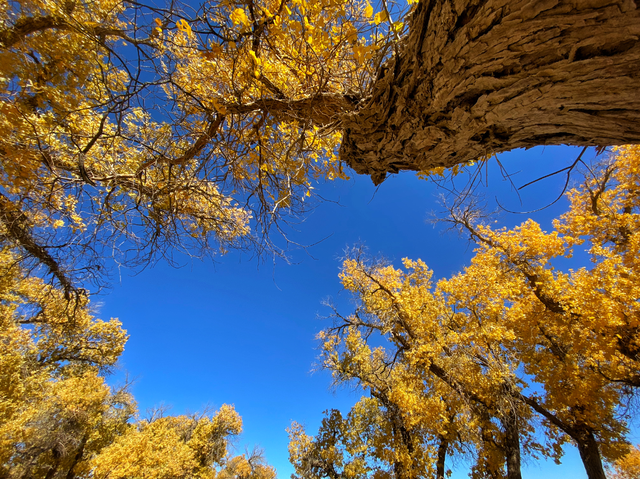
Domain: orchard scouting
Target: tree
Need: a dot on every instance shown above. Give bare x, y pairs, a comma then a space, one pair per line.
134, 129
55, 409
172, 446
373, 440
137, 129
59, 418
512, 336
247, 466
447, 382
474, 78
627, 467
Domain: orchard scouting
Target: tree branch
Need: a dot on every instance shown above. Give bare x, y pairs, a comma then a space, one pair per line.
16, 226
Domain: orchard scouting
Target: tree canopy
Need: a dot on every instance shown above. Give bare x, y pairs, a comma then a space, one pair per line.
485, 360
59, 418
134, 130
137, 130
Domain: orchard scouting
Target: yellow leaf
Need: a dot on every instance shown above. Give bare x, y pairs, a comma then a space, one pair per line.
239, 17
368, 11
219, 107
380, 17
215, 48
183, 26
255, 58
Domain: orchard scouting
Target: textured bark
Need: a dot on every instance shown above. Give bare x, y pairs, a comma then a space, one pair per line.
478, 77
322, 109
28, 25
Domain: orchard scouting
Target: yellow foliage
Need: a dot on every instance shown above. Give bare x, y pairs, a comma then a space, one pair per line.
459, 357
627, 467
57, 415
246, 105
239, 17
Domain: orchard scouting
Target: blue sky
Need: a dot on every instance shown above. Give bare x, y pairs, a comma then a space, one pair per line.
242, 332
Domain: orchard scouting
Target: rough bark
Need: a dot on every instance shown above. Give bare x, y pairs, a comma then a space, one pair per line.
478, 77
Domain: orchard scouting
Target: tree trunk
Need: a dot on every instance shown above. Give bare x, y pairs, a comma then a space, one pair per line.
581, 434
442, 456
512, 445
57, 455
590, 455
478, 77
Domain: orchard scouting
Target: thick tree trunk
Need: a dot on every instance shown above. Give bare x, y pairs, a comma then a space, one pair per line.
512, 445
478, 77
590, 455
581, 434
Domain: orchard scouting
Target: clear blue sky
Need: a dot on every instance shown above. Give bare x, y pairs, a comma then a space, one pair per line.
243, 333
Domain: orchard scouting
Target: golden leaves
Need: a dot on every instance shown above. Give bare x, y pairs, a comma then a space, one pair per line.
510, 321
184, 27
628, 466
368, 11
263, 73
239, 17
380, 17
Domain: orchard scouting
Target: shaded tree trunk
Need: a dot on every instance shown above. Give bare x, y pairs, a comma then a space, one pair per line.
478, 77
580, 433
442, 456
491, 469
590, 455
512, 445
57, 455
77, 458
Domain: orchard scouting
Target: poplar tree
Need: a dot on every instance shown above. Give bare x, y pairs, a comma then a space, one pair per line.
514, 338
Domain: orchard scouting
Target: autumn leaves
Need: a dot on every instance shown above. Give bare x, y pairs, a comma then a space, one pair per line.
510, 357
130, 130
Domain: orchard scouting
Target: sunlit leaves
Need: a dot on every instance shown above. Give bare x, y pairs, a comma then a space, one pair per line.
183, 26
239, 17
125, 124
627, 467
58, 417
463, 355
368, 11
172, 446
52, 400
